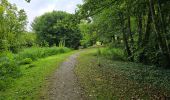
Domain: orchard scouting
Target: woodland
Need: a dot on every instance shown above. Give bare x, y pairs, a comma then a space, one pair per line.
131, 35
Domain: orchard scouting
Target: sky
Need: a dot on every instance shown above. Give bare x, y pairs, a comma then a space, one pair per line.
39, 7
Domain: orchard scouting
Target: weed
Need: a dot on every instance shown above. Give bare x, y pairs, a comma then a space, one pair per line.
26, 61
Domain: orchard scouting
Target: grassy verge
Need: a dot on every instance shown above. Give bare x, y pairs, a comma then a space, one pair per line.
112, 53
105, 79
10, 63
30, 84
37, 53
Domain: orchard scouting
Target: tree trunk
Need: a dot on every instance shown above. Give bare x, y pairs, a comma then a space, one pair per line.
164, 60
159, 37
140, 31
163, 25
147, 31
129, 31
127, 48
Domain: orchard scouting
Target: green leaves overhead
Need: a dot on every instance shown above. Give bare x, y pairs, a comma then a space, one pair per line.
27, 0
141, 25
91, 7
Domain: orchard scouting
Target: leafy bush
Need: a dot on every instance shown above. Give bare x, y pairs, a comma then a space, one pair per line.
8, 70
26, 61
30, 66
151, 56
113, 53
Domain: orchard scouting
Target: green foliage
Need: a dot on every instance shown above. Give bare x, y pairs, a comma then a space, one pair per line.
28, 39
157, 77
115, 79
89, 37
113, 53
36, 53
28, 1
26, 61
62, 44
57, 26
12, 25
142, 26
32, 84
10, 63
31, 66
99, 52
8, 70
4, 45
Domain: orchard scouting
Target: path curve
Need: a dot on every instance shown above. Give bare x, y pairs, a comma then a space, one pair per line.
64, 84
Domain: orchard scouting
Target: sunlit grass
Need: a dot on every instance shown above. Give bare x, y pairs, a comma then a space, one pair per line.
30, 85
10, 63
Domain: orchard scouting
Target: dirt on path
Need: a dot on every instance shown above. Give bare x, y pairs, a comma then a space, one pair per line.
63, 84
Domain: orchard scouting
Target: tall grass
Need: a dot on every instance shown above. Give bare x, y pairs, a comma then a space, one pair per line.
36, 53
10, 63
113, 53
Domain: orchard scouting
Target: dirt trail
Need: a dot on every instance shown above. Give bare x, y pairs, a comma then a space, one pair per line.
63, 84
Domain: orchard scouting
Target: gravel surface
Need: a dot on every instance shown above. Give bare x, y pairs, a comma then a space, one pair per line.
63, 84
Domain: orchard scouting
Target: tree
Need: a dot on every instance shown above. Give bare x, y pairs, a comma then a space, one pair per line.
12, 25
143, 26
89, 35
57, 26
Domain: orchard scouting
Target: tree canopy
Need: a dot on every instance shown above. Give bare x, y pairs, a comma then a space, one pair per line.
13, 25
143, 26
57, 26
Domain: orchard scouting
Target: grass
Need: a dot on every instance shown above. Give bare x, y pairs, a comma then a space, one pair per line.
112, 53
10, 63
37, 52
30, 85
108, 79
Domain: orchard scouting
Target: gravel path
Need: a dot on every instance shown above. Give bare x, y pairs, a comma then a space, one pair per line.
63, 84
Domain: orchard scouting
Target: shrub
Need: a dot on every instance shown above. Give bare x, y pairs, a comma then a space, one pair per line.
8, 70
30, 66
151, 56
26, 61
113, 53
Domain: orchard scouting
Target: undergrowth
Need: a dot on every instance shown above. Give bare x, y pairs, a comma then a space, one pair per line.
156, 76
118, 79
10, 63
112, 53
32, 85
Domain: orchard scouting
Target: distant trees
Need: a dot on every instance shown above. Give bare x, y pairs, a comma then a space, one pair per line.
143, 25
55, 27
89, 35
